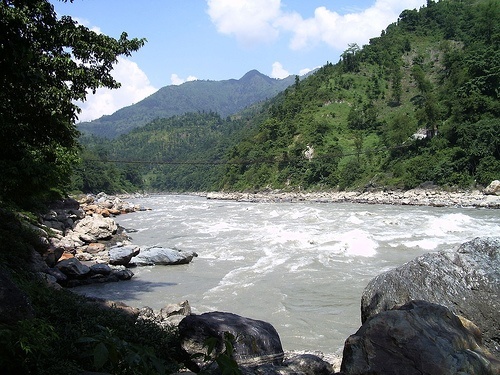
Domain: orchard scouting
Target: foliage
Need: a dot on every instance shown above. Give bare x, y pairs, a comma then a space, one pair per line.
46, 64
179, 153
419, 103
118, 356
223, 358
13, 251
72, 335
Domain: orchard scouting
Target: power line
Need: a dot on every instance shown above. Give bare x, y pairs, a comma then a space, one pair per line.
249, 162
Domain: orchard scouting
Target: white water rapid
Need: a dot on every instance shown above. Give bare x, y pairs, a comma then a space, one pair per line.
300, 266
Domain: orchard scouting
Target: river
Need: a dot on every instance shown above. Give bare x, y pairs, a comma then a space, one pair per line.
300, 266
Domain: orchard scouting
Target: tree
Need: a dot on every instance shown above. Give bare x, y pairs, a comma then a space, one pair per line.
46, 64
350, 58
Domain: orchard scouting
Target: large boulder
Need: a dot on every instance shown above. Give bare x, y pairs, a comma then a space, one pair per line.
121, 255
417, 338
257, 342
73, 268
94, 228
493, 188
466, 280
162, 256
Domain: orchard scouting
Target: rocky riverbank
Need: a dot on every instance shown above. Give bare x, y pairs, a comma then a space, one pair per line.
84, 245
436, 314
432, 196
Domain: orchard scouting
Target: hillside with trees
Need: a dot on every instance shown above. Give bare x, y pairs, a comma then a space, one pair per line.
419, 104
225, 97
179, 153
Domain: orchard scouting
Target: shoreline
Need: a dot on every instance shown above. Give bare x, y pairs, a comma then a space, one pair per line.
413, 197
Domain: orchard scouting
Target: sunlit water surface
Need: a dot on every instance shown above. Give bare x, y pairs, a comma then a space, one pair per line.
300, 266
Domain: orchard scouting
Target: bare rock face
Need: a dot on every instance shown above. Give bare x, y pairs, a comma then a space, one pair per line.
417, 338
466, 280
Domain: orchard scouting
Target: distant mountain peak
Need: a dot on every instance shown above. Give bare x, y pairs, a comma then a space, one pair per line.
224, 97
256, 76
253, 73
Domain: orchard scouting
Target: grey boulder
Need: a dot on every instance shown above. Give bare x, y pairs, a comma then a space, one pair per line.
121, 255
162, 256
256, 342
419, 338
466, 280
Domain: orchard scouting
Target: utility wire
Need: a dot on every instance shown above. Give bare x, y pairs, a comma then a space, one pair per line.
248, 162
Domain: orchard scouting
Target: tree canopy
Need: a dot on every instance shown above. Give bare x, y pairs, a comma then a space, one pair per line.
46, 64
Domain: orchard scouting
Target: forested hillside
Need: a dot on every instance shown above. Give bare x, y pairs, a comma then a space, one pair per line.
224, 97
178, 153
418, 104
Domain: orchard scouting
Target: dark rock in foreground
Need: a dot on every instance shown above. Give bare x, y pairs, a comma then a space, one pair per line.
416, 339
257, 346
257, 342
466, 280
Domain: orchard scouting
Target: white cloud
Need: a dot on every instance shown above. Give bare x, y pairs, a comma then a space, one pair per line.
176, 80
279, 71
86, 23
250, 21
306, 70
259, 21
135, 86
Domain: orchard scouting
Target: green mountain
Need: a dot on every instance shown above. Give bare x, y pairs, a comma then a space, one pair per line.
418, 104
224, 97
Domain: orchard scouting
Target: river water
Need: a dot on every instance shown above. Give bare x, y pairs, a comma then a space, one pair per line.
300, 266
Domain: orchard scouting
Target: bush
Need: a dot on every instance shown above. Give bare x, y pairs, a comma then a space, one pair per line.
72, 334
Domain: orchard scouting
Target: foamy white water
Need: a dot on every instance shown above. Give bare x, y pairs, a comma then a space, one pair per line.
300, 266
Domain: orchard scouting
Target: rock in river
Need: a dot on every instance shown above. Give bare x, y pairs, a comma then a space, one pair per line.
162, 256
122, 255
415, 339
466, 280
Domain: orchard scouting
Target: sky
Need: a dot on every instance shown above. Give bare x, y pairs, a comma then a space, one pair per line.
224, 39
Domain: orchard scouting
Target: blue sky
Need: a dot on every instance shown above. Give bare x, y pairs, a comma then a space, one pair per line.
224, 39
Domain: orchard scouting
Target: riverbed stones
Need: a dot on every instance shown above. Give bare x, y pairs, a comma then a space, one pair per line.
95, 227
413, 197
256, 342
417, 338
307, 364
100, 269
73, 268
466, 280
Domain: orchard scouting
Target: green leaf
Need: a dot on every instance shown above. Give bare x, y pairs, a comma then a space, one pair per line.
101, 355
